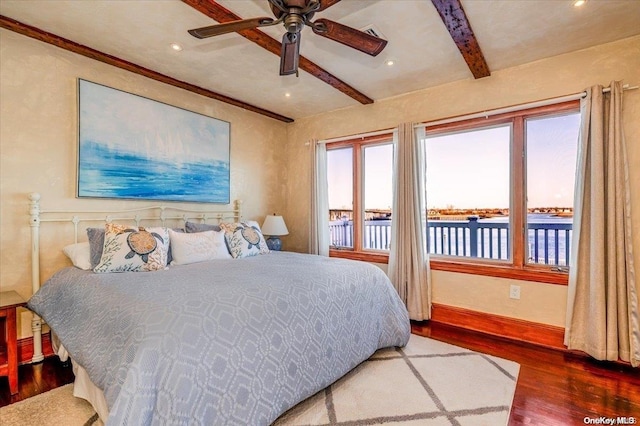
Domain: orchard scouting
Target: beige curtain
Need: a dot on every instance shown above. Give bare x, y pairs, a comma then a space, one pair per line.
319, 207
408, 259
602, 306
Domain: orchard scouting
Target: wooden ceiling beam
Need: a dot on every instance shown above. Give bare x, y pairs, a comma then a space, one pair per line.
458, 25
72, 46
220, 14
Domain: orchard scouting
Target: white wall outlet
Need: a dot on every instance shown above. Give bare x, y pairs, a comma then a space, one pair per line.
514, 292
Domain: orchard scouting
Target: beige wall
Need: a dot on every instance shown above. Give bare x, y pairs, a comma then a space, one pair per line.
38, 140
552, 77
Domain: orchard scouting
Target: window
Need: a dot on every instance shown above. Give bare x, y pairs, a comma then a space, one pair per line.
551, 151
340, 180
467, 185
360, 176
500, 193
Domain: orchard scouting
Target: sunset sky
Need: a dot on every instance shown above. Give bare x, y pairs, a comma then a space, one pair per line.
471, 170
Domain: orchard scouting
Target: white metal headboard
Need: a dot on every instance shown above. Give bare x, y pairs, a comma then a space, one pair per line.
159, 213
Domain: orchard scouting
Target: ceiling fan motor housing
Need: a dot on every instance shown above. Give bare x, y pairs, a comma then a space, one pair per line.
294, 22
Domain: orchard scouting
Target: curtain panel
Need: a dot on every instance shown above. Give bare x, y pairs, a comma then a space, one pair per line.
319, 207
602, 303
408, 259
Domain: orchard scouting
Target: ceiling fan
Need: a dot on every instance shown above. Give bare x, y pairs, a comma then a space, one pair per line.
295, 14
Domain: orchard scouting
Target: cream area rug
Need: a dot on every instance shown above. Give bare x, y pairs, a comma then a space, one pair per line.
426, 383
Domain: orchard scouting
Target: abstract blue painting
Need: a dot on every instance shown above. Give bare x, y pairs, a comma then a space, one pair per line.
137, 148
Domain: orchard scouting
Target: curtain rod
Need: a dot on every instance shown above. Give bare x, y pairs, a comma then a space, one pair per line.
488, 113
504, 110
356, 136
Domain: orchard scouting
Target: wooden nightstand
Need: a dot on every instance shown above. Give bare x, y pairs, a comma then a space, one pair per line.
9, 302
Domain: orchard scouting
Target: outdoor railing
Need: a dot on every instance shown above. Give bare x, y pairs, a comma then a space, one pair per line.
548, 243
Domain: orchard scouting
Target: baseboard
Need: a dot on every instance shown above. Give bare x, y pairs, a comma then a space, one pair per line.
25, 348
512, 328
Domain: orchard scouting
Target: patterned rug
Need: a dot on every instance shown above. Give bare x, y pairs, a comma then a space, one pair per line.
426, 383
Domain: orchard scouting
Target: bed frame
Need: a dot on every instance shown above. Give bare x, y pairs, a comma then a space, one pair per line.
159, 213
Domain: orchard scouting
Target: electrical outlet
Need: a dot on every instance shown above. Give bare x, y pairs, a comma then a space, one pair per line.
514, 292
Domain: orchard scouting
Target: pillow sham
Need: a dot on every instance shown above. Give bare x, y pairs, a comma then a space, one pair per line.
198, 247
79, 254
244, 239
192, 227
96, 242
128, 249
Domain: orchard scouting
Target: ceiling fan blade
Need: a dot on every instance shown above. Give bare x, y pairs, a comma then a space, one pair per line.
325, 4
230, 27
348, 36
290, 53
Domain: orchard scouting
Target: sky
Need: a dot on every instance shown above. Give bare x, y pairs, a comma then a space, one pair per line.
471, 169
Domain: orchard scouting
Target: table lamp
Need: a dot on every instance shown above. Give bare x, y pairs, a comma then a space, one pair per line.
273, 227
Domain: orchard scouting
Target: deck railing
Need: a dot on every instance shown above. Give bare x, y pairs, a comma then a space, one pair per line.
548, 243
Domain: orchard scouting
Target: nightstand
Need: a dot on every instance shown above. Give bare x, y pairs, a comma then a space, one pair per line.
9, 302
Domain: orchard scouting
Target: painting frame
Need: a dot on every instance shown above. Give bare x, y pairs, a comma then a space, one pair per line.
137, 148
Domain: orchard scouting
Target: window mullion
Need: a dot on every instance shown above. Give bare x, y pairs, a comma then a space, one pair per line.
518, 202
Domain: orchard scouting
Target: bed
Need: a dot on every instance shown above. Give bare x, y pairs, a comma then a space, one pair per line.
235, 341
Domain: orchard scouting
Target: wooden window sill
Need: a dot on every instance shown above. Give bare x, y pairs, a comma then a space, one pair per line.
364, 256
529, 273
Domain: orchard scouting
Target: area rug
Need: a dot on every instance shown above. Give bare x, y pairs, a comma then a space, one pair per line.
426, 383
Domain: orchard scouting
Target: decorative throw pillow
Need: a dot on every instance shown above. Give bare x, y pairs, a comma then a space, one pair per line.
128, 249
198, 247
192, 227
96, 243
79, 254
244, 239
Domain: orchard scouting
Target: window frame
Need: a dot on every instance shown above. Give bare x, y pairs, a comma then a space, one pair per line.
358, 252
515, 268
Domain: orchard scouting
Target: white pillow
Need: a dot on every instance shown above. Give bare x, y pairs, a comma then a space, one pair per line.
79, 254
198, 247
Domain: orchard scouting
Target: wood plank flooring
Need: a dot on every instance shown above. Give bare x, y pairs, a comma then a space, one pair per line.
554, 387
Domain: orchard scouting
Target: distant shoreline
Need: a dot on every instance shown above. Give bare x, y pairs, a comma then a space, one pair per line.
455, 214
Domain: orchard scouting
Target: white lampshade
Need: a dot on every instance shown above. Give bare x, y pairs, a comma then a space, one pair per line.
274, 225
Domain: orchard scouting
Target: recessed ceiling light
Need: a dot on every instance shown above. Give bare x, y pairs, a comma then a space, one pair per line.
287, 95
389, 62
578, 3
176, 47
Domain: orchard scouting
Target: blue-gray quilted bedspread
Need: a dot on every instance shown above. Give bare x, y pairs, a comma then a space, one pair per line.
226, 342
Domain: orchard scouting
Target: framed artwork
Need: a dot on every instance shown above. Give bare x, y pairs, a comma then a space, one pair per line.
133, 147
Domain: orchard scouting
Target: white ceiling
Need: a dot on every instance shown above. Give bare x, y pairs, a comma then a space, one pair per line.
510, 32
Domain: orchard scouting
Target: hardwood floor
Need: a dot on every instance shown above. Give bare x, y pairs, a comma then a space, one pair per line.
36, 378
554, 387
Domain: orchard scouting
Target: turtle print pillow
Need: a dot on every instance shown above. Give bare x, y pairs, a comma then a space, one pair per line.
244, 239
127, 249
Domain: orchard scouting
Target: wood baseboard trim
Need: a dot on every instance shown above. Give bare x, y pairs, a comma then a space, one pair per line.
25, 348
511, 328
